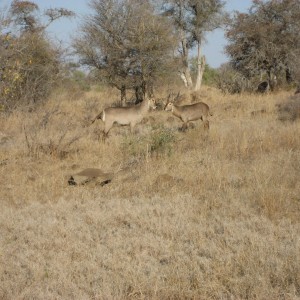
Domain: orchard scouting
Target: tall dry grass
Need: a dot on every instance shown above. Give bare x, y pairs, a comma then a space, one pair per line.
201, 215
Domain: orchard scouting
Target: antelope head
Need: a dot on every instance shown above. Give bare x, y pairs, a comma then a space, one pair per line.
169, 104
152, 103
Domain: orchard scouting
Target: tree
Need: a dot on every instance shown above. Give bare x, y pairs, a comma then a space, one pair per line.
126, 42
266, 39
25, 14
209, 74
192, 19
29, 63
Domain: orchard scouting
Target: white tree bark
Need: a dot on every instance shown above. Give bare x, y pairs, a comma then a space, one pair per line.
188, 77
185, 74
182, 76
201, 61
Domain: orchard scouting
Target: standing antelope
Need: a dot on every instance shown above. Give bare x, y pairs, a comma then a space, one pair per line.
125, 115
191, 112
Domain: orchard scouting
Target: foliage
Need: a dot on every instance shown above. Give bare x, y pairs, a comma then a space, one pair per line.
209, 75
159, 143
25, 15
75, 76
126, 42
192, 19
231, 81
29, 69
30, 64
266, 39
79, 77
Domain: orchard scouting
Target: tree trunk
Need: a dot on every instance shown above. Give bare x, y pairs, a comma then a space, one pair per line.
139, 94
288, 76
272, 78
269, 74
141, 90
200, 67
183, 78
150, 89
185, 74
144, 87
123, 95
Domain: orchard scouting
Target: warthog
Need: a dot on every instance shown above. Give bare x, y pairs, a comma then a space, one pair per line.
263, 87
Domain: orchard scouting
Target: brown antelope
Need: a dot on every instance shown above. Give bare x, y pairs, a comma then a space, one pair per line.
125, 115
191, 112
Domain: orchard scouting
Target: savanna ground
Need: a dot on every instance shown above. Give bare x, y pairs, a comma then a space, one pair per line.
193, 215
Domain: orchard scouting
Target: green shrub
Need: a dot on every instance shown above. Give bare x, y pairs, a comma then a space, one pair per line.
162, 140
158, 143
209, 76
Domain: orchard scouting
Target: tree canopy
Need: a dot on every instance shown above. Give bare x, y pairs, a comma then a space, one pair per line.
29, 62
266, 39
126, 41
192, 19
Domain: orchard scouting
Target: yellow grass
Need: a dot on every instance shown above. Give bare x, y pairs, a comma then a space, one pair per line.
194, 215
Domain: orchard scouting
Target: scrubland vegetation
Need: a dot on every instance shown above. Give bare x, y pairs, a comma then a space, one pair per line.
203, 215
211, 212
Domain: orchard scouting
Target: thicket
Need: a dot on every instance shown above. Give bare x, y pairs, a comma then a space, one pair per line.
263, 45
30, 62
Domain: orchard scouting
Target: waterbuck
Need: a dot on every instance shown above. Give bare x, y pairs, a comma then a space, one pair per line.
125, 115
191, 112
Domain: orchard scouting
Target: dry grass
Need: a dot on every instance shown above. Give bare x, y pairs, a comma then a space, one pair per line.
197, 215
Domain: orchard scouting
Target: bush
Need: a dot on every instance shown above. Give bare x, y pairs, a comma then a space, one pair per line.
49, 134
161, 141
230, 81
209, 76
29, 63
158, 143
30, 68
